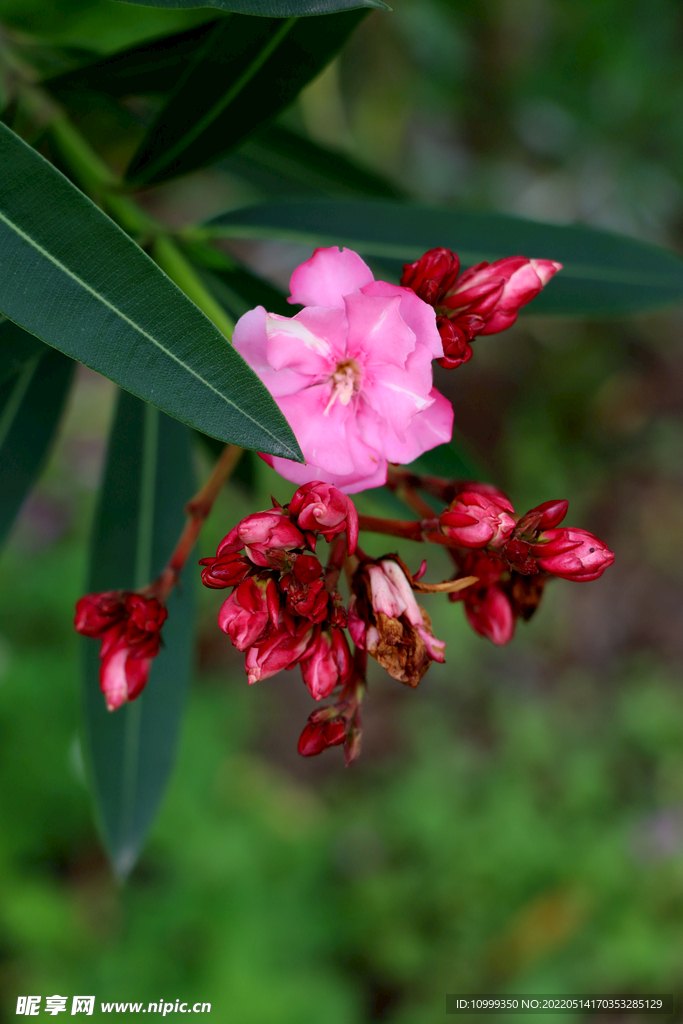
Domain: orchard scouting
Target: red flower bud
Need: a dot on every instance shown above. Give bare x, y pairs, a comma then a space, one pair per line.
487, 568
456, 336
278, 650
318, 736
432, 275
572, 554
543, 517
497, 291
490, 614
245, 614
327, 663
265, 536
96, 613
517, 553
475, 520
225, 572
129, 626
305, 589
324, 509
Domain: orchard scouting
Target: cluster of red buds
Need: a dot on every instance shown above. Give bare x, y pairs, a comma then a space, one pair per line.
285, 609
485, 299
512, 557
129, 626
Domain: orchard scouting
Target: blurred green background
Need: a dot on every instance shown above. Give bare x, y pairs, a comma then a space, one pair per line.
516, 824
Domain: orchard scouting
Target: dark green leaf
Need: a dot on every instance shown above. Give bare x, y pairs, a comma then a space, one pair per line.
16, 348
451, 460
281, 162
31, 402
131, 751
270, 8
248, 70
604, 274
152, 68
70, 276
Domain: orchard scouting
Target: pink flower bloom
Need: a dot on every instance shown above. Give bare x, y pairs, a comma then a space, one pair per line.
475, 520
324, 509
129, 626
327, 663
351, 372
245, 614
572, 554
490, 614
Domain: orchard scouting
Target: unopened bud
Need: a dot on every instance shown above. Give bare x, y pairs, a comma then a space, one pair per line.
572, 554
432, 275
477, 521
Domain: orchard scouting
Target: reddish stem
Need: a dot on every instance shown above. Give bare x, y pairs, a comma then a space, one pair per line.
197, 509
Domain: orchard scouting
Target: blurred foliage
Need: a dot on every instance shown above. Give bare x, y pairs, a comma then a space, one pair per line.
516, 823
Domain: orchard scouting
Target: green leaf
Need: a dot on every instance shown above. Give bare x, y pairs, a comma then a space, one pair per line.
451, 460
16, 348
269, 8
131, 751
151, 68
248, 71
604, 273
31, 402
282, 162
70, 276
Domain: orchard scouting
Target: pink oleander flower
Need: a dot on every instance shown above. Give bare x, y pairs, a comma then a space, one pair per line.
386, 620
490, 614
351, 372
327, 663
476, 520
572, 554
323, 508
129, 626
248, 610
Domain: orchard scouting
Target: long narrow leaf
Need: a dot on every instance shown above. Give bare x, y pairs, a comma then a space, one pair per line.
70, 276
248, 71
604, 273
31, 403
131, 751
16, 348
152, 68
270, 8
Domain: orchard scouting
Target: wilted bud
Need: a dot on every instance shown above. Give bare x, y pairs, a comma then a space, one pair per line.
324, 509
518, 557
525, 593
497, 291
327, 663
490, 614
432, 275
386, 620
245, 614
476, 520
572, 554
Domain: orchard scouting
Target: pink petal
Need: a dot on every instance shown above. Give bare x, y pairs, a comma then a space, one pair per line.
397, 396
311, 343
418, 315
250, 338
378, 334
426, 430
327, 277
113, 681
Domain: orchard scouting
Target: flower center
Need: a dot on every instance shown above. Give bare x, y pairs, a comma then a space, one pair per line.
346, 382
